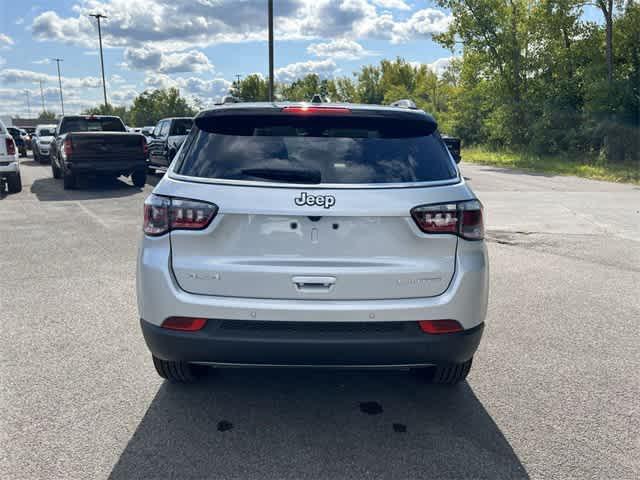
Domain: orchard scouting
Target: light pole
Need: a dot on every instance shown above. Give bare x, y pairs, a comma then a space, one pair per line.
98, 16
270, 50
42, 96
28, 103
58, 60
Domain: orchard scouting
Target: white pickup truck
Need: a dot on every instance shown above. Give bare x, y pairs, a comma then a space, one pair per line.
9, 163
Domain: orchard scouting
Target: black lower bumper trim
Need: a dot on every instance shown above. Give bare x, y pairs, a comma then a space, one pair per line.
325, 344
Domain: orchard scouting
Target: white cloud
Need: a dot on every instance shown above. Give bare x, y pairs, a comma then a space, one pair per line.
422, 24
175, 25
396, 4
17, 76
440, 65
191, 86
5, 41
322, 68
44, 61
115, 78
149, 58
122, 96
340, 49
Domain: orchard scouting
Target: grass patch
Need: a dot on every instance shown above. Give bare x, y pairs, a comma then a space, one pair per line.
625, 173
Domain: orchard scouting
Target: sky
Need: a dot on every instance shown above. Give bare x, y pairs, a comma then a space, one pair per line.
198, 46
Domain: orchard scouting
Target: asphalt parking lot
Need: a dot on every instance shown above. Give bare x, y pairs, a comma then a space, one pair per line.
554, 392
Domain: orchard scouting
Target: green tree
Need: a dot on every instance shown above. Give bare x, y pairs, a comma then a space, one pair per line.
46, 117
151, 106
252, 88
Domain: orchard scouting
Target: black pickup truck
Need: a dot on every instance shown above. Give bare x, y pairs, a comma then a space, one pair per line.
88, 145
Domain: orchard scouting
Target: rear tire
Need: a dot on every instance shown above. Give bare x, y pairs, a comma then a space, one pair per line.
178, 371
55, 170
139, 178
446, 373
70, 181
14, 183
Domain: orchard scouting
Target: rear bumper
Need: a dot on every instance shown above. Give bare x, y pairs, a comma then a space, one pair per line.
8, 165
105, 166
238, 342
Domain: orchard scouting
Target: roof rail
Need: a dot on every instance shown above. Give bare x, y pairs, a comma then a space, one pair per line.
405, 103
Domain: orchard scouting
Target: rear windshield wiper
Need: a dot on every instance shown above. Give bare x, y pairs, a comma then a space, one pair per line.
284, 174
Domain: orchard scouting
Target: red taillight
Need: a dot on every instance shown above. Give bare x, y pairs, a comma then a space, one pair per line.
145, 147
461, 218
435, 327
185, 324
11, 147
68, 147
310, 110
163, 214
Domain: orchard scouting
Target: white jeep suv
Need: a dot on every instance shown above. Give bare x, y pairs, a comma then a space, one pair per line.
330, 235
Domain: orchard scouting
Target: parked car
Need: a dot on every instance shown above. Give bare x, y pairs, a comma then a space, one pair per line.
41, 142
303, 235
29, 131
166, 139
19, 139
147, 131
97, 145
453, 144
9, 162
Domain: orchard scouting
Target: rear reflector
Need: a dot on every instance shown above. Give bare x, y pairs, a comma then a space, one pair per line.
185, 324
435, 327
308, 110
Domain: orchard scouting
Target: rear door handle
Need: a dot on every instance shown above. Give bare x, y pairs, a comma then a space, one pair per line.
314, 284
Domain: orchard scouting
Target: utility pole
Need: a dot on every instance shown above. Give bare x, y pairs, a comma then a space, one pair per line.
270, 50
238, 76
98, 16
58, 60
42, 96
28, 103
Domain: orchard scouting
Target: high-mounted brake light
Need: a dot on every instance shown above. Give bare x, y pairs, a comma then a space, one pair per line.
460, 218
435, 327
185, 324
313, 110
163, 214
11, 147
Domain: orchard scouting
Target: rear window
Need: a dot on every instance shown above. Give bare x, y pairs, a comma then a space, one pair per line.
332, 150
83, 124
46, 132
181, 126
